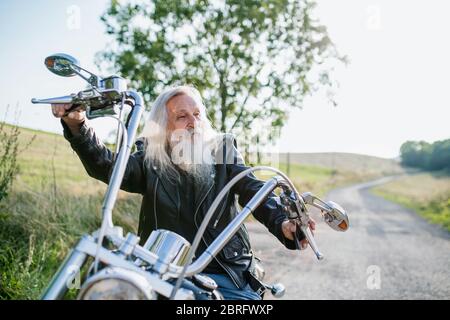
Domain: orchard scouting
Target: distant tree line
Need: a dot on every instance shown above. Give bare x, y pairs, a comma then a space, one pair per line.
424, 155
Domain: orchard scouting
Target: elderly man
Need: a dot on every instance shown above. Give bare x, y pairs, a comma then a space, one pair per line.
178, 169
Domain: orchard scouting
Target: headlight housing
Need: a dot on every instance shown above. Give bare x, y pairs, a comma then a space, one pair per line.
114, 283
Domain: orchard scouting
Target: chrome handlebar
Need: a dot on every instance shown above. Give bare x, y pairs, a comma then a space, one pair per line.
97, 101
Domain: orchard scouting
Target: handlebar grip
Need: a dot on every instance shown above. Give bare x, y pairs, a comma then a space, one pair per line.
73, 108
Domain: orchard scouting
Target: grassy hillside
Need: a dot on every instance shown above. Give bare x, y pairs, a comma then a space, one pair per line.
426, 193
347, 162
321, 172
53, 201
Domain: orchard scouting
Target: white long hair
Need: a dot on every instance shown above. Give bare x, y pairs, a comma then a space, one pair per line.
157, 136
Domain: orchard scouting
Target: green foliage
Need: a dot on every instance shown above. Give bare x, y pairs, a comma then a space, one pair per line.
426, 193
436, 211
37, 231
9, 151
52, 202
440, 155
421, 154
8, 157
251, 59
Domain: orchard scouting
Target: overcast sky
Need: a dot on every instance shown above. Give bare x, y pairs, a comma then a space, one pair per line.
395, 88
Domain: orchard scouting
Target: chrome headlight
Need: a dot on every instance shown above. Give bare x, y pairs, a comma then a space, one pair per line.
114, 283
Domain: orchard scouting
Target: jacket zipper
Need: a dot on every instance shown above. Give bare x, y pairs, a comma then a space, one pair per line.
206, 244
154, 203
220, 213
201, 202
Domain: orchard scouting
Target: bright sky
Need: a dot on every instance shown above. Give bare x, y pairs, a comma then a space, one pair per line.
395, 88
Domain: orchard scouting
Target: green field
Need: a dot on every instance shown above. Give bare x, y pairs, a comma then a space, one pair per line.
321, 172
53, 201
426, 193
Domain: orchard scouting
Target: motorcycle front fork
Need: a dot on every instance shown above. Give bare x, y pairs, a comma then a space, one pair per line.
69, 271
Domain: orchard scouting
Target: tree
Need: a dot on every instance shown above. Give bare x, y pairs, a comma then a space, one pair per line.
251, 59
440, 155
421, 154
415, 154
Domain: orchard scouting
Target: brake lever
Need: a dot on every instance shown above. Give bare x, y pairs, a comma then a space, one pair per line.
57, 100
301, 214
334, 215
311, 241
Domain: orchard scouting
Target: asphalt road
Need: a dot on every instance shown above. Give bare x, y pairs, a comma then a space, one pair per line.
389, 252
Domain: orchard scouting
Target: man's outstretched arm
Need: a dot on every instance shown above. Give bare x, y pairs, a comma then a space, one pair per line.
97, 159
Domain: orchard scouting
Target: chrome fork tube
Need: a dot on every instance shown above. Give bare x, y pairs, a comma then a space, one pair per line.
122, 159
223, 238
69, 269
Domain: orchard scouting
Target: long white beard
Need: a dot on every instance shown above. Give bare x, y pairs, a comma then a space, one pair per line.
193, 153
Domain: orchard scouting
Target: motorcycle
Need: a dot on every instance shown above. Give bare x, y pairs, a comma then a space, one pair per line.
163, 268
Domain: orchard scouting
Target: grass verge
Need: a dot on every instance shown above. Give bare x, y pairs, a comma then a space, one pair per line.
426, 193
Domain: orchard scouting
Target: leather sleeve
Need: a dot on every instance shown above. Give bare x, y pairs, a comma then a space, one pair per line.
97, 159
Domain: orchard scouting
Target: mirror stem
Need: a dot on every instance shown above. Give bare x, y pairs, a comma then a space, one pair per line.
92, 80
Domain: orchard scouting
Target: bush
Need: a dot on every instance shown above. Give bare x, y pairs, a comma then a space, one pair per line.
8, 157
9, 150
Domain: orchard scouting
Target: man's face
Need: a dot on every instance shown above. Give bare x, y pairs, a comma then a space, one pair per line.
183, 113
188, 149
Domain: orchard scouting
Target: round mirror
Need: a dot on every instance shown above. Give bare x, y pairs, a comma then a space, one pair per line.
62, 64
337, 219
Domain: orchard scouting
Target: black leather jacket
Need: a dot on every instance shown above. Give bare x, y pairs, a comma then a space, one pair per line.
159, 196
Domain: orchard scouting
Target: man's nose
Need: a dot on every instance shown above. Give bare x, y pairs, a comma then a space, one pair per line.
192, 122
